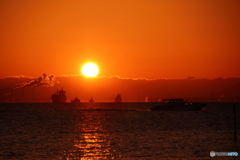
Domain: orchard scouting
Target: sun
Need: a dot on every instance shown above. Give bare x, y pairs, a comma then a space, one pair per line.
90, 70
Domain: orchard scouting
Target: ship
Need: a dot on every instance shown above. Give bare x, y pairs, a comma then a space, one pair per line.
178, 105
91, 100
75, 100
118, 98
59, 96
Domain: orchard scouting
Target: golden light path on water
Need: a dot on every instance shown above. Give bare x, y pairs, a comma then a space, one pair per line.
92, 141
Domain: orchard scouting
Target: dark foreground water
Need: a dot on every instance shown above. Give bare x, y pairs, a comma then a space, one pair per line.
127, 131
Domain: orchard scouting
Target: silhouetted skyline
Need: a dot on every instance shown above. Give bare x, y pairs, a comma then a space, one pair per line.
105, 89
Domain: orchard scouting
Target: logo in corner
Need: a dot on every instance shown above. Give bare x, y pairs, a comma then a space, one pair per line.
212, 154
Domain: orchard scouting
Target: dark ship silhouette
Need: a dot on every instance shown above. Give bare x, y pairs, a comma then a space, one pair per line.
76, 100
178, 105
118, 98
91, 100
59, 96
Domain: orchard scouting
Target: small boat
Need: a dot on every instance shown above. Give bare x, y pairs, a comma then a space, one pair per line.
178, 105
118, 98
76, 100
91, 100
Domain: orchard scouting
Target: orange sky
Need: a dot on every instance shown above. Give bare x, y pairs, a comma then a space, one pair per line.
129, 38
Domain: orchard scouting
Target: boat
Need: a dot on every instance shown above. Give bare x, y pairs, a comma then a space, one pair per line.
118, 98
91, 100
178, 105
75, 100
59, 96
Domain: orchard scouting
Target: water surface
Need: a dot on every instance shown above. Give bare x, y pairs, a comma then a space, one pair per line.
126, 131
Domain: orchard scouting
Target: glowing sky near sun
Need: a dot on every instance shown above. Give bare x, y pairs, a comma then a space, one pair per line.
131, 39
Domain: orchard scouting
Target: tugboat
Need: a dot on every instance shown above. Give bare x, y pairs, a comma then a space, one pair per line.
178, 105
118, 98
59, 96
75, 100
91, 100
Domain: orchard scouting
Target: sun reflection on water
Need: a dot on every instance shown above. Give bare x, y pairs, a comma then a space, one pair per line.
91, 140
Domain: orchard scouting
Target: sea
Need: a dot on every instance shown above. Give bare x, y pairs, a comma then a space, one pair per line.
116, 131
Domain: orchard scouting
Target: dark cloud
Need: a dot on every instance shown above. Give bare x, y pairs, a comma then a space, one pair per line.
20, 76
45, 80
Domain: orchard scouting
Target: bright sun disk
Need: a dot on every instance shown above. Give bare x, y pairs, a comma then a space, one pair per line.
90, 70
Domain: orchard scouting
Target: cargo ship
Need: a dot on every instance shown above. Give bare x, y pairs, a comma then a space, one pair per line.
59, 96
